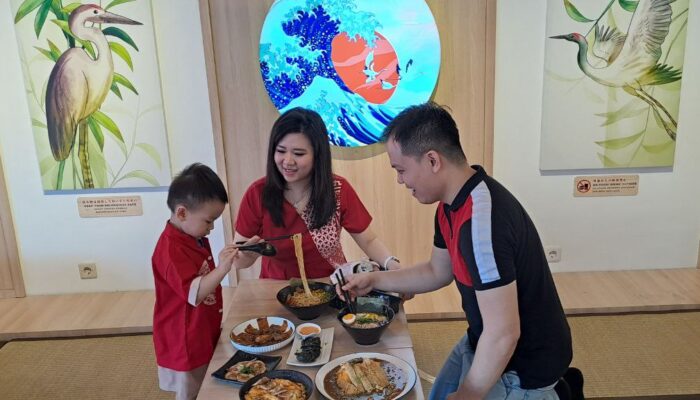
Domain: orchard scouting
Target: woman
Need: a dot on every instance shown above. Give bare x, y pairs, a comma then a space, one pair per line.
300, 194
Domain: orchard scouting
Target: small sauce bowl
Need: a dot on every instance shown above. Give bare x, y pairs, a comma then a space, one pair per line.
308, 329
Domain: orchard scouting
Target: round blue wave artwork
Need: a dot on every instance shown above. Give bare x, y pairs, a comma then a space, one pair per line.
357, 63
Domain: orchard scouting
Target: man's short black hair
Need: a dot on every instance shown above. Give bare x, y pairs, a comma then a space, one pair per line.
194, 186
424, 127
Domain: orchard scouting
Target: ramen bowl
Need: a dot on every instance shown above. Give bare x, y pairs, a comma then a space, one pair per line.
366, 335
389, 299
306, 313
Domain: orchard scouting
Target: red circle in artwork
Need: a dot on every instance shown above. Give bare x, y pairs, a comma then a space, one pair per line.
370, 72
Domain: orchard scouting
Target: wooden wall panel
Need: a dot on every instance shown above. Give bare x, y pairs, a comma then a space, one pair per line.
467, 35
11, 282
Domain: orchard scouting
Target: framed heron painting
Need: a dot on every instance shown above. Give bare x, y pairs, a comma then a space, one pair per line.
94, 95
357, 63
612, 83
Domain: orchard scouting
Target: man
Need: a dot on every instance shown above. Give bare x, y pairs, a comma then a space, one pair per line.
518, 343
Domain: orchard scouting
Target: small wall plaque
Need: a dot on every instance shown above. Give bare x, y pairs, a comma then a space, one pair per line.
606, 185
116, 206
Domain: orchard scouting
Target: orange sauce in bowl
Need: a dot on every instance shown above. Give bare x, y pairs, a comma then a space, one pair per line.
308, 330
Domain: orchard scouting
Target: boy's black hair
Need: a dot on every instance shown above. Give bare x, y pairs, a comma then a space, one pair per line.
424, 127
194, 186
322, 198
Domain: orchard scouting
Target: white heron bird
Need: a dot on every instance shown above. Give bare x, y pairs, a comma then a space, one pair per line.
632, 59
369, 71
78, 85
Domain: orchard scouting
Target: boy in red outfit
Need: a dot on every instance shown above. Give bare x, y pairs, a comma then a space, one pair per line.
189, 306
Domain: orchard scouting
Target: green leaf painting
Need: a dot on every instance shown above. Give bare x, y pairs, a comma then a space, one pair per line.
628, 5
122, 52
613, 73
41, 16
574, 13
107, 123
619, 143
115, 89
96, 131
27, 7
121, 79
118, 33
140, 175
71, 131
116, 3
151, 151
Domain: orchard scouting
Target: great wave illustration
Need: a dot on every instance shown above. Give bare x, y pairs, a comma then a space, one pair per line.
357, 63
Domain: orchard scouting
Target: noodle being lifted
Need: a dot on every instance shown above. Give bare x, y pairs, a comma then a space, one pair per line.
299, 252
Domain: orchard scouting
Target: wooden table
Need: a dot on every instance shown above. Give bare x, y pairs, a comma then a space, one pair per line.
257, 298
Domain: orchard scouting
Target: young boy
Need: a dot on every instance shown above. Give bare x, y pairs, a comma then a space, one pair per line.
189, 306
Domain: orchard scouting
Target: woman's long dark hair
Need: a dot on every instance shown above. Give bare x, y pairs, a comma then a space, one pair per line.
322, 199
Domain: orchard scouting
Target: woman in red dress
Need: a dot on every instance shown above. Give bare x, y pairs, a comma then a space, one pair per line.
300, 194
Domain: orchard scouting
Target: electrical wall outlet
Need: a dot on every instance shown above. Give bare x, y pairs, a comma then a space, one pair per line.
553, 253
87, 270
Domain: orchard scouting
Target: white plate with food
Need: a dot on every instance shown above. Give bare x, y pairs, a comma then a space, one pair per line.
262, 335
366, 376
325, 340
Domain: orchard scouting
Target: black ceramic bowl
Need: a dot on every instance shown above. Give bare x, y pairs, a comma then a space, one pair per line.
367, 336
389, 299
291, 375
306, 313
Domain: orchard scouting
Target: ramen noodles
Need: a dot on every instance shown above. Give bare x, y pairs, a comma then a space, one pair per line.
300, 299
299, 252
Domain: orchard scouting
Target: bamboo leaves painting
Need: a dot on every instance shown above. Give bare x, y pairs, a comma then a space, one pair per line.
94, 93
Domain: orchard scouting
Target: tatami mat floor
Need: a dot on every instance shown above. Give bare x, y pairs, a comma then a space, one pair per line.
638, 356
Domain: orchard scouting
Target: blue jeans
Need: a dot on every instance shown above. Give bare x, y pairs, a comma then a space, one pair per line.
506, 388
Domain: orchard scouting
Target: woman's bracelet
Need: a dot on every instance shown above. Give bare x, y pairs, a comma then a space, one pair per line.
386, 262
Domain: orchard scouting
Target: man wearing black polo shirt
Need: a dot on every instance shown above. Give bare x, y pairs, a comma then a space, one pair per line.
518, 343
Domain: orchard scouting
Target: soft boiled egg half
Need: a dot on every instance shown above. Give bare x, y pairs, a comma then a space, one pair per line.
348, 319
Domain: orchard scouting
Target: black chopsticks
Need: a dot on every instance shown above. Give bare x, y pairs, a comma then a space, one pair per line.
278, 237
342, 282
270, 239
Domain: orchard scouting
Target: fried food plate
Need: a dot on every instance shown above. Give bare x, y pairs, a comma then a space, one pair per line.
399, 373
266, 348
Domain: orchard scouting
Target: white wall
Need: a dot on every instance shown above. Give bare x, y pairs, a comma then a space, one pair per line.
52, 238
658, 228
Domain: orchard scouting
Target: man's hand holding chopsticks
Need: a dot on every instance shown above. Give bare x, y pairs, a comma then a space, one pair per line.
357, 284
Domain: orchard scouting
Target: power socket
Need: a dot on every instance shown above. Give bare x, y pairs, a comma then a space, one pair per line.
553, 253
87, 270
